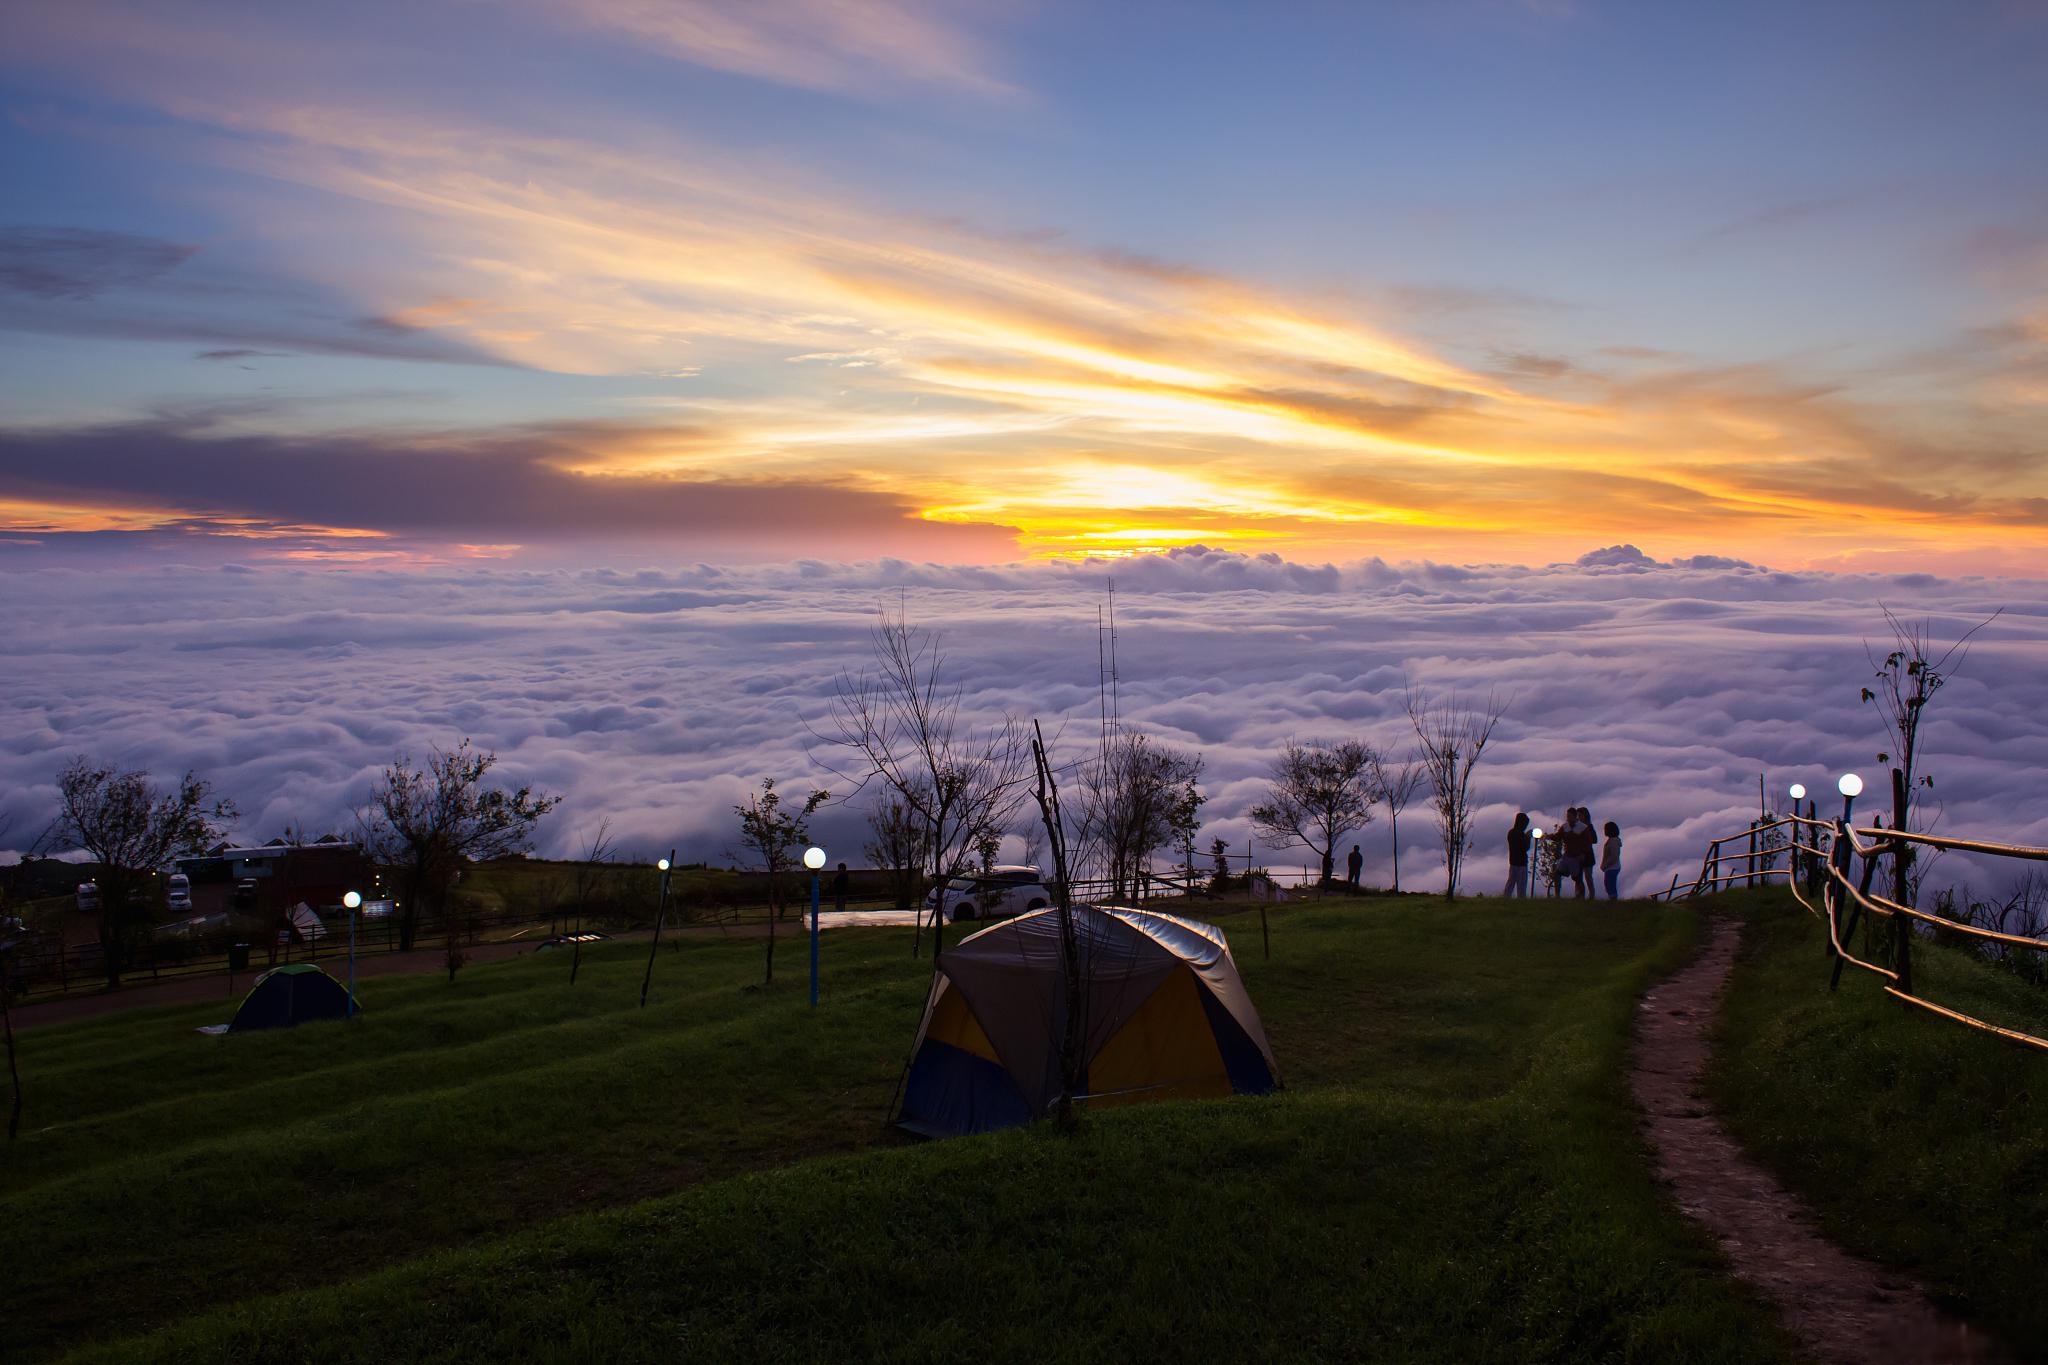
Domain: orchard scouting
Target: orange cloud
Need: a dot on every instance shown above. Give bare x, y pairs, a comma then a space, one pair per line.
777, 328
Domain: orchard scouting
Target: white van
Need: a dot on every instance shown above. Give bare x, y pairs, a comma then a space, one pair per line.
180, 895
1003, 892
88, 895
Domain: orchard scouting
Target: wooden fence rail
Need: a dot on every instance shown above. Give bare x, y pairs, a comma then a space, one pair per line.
1823, 855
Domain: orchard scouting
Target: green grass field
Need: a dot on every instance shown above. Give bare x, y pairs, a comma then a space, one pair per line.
1917, 1142
511, 1167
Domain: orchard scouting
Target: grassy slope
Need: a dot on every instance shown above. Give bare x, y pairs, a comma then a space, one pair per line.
1917, 1142
1453, 1174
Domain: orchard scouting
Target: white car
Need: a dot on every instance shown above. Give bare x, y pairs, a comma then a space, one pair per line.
1003, 892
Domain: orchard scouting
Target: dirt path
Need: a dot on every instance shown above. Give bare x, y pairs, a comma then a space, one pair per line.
1843, 1308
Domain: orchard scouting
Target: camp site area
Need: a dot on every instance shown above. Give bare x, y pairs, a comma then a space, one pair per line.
1451, 1165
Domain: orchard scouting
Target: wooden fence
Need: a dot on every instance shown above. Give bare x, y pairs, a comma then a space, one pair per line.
1820, 864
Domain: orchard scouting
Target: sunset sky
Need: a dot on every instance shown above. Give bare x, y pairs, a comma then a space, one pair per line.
627, 282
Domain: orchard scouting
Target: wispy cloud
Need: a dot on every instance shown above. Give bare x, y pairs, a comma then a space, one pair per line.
81, 263
862, 46
737, 311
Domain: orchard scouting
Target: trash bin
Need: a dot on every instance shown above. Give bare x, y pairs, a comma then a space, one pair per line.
238, 957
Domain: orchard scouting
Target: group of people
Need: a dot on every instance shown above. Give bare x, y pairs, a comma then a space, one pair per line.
1578, 844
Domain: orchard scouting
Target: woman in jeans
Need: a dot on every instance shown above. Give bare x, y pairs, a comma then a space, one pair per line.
1610, 861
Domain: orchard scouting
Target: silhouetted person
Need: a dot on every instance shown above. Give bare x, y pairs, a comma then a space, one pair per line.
839, 888
1579, 843
1356, 864
1518, 857
1610, 861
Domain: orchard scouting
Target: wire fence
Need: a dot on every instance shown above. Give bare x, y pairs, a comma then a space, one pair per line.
1819, 860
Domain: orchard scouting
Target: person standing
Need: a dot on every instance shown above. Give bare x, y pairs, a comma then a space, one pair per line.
1579, 845
1356, 864
839, 889
1610, 861
1518, 857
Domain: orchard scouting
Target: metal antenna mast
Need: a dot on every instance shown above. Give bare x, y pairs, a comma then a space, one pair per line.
1102, 680
1116, 714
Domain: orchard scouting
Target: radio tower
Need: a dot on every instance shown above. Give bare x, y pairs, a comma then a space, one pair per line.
1105, 669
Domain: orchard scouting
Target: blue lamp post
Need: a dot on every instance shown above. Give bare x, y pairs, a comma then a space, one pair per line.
660, 915
1798, 793
1851, 787
814, 859
353, 900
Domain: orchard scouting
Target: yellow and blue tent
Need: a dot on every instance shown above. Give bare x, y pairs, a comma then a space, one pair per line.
1164, 1016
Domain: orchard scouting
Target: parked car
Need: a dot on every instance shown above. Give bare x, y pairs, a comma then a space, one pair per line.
179, 896
1005, 891
88, 895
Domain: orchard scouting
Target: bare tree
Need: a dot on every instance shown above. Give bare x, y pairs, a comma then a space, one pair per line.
1184, 823
1454, 734
1132, 794
1321, 792
895, 843
425, 822
133, 832
1907, 678
591, 877
1398, 783
1219, 866
771, 837
900, 721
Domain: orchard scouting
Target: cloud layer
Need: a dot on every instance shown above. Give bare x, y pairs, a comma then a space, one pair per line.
1654, 693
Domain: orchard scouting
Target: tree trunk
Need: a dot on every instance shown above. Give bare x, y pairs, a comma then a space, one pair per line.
769, 979
1902, 856
408, 915
1329, 864
1394, 828
110, 930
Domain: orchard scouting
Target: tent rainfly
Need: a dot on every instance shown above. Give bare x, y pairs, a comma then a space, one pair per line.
1164, 1016
289, 995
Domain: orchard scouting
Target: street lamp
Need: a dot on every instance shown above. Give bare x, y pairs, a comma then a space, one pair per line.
1798, 791
660, 914
1535, 855
353, 900
814, 859
1851, 787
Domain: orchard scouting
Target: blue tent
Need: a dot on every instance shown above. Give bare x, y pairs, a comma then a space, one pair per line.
291, 995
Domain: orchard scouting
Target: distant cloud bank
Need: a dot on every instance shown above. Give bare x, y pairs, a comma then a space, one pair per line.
1652, 691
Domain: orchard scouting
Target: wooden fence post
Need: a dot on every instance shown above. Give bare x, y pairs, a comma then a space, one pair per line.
1902, 950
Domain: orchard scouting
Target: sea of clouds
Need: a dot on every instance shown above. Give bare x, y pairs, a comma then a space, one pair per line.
1655, 693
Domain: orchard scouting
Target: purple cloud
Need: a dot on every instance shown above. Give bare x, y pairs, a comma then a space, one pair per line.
657, 696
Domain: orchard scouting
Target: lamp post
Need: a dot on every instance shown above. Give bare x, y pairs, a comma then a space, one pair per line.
814, 859
354, 901
1851, 787
1535, 854
660, 914
1797, 792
